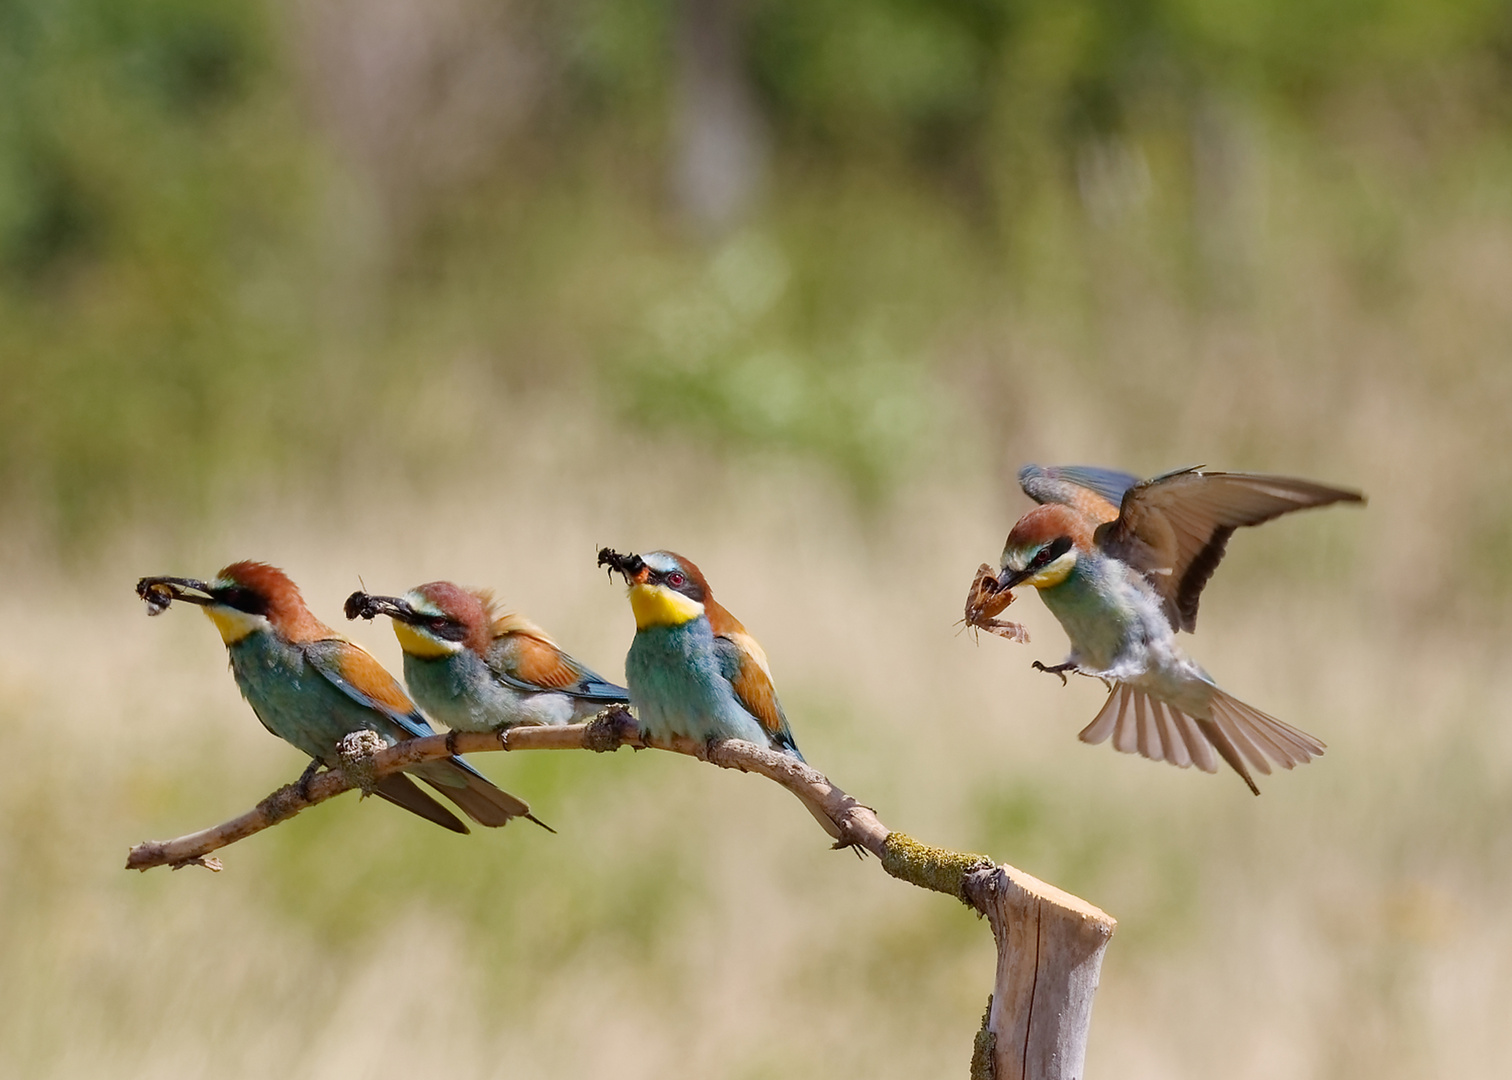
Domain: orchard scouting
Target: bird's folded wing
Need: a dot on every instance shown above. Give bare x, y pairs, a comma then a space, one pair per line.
744, 663
353, 671
1092, 491
1174, 528
532, 664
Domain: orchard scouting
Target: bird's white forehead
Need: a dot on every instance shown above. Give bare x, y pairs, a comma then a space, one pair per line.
661, 561
418, 601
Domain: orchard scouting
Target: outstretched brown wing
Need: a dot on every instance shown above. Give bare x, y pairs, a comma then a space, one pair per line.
1175, 527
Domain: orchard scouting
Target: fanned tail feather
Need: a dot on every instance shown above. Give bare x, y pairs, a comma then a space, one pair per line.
1145, 725
1285, 745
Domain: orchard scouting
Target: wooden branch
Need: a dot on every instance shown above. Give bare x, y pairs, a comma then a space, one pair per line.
1050, 944
846, 820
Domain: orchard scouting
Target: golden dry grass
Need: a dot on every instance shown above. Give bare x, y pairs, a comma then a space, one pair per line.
691, 923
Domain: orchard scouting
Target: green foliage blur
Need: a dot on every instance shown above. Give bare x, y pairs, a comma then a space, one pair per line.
216, 259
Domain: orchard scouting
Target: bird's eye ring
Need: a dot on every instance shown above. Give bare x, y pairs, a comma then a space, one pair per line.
675, 580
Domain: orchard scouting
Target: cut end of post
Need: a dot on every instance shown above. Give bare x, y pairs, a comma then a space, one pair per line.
1009, 885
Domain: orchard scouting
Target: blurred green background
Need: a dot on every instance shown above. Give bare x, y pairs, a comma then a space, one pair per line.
465, 289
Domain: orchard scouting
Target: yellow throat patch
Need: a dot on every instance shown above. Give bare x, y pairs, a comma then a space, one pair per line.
657, 605
232, 624
416, 643
1055, 573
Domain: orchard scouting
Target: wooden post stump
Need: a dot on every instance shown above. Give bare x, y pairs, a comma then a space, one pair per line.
1050, 948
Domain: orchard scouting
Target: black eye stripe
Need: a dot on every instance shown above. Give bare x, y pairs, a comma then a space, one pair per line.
1051, 551
445, 628
242, 599
687, 586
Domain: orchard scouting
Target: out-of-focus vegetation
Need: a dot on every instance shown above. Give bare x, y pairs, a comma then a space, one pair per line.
455, 288
234, 237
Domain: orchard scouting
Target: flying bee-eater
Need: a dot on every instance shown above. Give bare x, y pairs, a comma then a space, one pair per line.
693, 670
1121, 564
311, 687
476, 668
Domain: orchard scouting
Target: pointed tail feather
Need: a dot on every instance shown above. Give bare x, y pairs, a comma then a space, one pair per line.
1144, 725
402, 791
1225, 746
478, 798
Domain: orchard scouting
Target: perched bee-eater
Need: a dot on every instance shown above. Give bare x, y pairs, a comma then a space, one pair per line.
311, 687
692, 668
1121, 563
475, 668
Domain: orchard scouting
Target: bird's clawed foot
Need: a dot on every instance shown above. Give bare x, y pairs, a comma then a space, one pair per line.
1058, 669
303, 785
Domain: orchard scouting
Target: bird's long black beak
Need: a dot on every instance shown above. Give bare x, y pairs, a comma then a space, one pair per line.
361, 605
1009, 578
159, 592
630, 567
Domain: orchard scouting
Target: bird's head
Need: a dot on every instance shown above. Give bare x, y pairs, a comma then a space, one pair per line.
245, 597
1043, 547
432, 621
665, 588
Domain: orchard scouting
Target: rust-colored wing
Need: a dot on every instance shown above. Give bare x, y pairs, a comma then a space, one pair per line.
744, 663
533, 662
353, 671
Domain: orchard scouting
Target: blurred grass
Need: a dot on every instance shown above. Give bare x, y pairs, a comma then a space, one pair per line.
274, 284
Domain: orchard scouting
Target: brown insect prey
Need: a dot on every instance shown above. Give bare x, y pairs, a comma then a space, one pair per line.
986, 600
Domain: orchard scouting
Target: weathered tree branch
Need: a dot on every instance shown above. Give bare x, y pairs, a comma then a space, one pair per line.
1050, 944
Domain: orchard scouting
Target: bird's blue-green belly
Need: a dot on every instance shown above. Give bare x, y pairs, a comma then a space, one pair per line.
677, 687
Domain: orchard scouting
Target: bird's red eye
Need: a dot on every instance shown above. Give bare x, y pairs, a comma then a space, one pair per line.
437, 623
675, 579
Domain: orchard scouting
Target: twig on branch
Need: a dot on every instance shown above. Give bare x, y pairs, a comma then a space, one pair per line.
1050, 943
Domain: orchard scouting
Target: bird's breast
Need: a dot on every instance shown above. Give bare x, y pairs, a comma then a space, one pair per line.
1100, 614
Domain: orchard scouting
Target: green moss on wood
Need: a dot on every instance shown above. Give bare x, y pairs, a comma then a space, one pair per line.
984, 1049
930, 867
